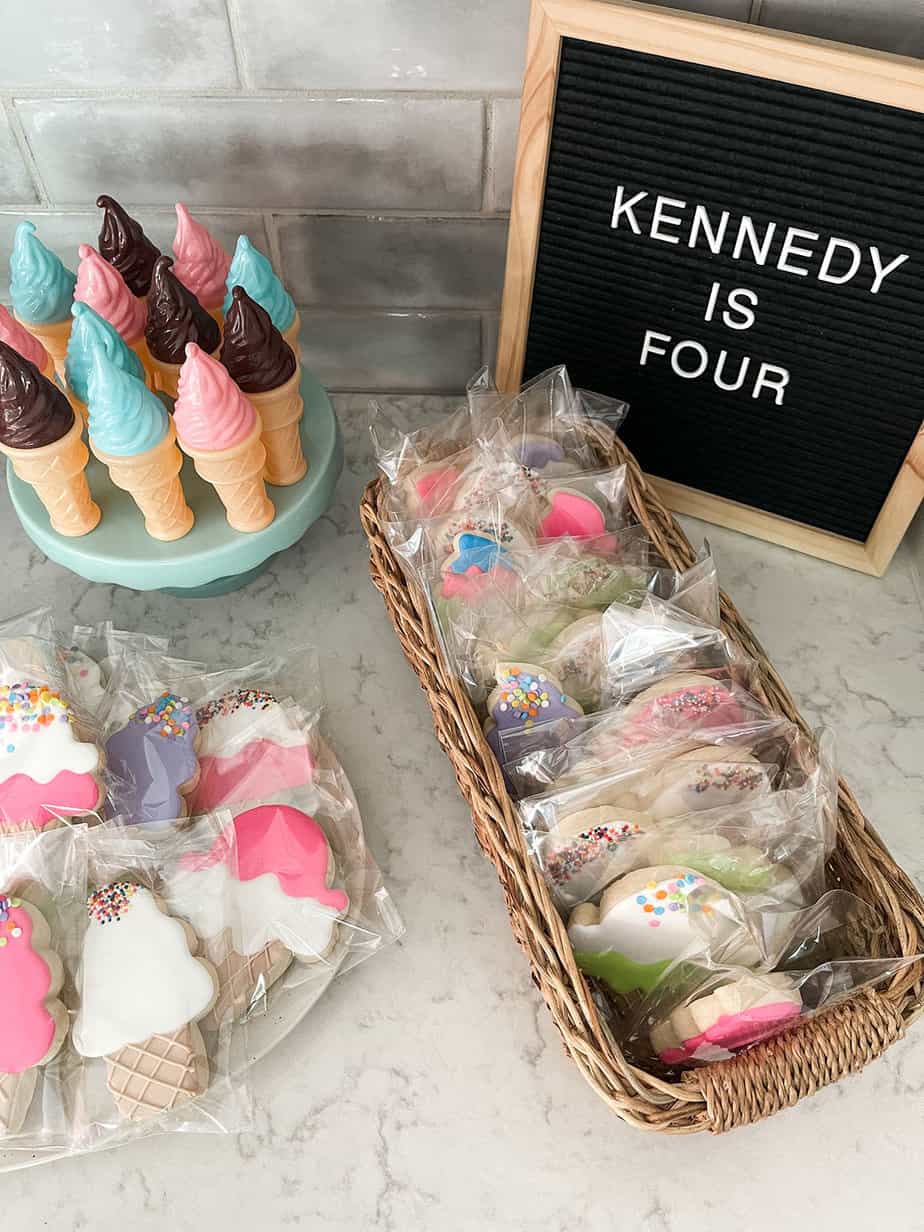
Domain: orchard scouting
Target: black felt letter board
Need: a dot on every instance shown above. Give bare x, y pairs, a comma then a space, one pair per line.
821, 444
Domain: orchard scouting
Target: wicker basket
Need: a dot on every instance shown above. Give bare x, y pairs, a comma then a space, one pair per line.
766, 1078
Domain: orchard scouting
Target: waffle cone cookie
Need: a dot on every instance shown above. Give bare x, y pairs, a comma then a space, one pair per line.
158, 1074
243, 978
16, 1092
143, 992
54, 337
152, 479
57, 472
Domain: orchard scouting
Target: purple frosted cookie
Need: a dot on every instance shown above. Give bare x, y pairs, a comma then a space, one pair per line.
153, 760
528, 695
537, 452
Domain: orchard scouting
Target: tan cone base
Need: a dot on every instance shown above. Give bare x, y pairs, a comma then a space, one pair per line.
58, 474
281, 412
54, 338
237, 476
152, 479
243, 979
16, 1092
291, 334
162, 1072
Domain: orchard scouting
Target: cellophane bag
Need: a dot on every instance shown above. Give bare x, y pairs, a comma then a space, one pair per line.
92, 652
309, 895
51, 762
157, 1058
703, 1011
43, 878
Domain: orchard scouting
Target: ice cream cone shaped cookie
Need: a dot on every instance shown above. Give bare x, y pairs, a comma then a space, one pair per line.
18, 337
201, 263
134, 437
220, 430
100, 285
279, 873
34, 1022
47, 772
142, 994
252, 271
123, 243
42, 290
264, 366
152, 761
175, 318
91, 334
41, 436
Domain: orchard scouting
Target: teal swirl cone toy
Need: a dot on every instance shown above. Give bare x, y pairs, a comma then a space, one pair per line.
42, 291
134, 437
92, 335
251, 270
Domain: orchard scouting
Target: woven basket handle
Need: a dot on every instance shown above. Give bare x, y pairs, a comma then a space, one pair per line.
781, 1071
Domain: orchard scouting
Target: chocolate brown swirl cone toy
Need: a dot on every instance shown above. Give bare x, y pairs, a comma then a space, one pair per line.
41, 436
123, 243
264, 366
175, 318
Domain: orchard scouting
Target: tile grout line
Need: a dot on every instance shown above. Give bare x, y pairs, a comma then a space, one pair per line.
237, 44
755, 12
249, 94
487, 171
370, 214
8, 107
272, 239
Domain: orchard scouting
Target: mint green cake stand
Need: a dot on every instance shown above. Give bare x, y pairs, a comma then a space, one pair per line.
212, 559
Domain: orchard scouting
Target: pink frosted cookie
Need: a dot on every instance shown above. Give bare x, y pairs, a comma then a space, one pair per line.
589, 849
33, 1023
477, 563
686, 701
46, 772
571, 513
427, 488
713, 1027
249, 748
283, 897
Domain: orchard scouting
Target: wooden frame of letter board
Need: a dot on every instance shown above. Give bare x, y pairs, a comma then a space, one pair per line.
872, 76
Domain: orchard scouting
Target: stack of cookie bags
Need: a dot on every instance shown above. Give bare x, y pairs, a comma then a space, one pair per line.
139, 353
682, 828
96, 1016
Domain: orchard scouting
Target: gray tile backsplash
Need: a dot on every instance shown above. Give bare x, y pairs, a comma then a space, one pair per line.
390, 153
384, 44
367, 145
417, 262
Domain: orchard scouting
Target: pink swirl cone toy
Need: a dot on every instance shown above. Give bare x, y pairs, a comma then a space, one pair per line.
201, 263
100, 285
28, 346
220, 430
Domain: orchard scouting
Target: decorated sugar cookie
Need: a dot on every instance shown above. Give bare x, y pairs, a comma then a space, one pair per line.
590, 848
85, 678
593, 581
645, 921
153, 761
250, 747
739, 867
46, 772
678, 703
538, 453
33, 1022
715, 1026
711, 777
571, 514
282, 893
477, 563
428, 488
577, 654
142, 993
527, 695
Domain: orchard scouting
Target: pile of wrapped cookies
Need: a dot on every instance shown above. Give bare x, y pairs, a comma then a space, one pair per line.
182, 863
682, 828
134, 335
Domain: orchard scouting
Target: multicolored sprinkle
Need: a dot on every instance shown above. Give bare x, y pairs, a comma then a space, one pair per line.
169, 715
525, 695
111, 902
30, 708
8, 928
727, 778
693, 703
222, 707
660, 898
588, 846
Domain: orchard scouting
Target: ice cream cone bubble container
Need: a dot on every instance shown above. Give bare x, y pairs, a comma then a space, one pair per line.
212, 559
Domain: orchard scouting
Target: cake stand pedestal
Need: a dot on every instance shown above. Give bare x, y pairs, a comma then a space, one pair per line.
212, 559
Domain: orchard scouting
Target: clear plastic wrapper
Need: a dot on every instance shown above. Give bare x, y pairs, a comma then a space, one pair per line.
762, 829
91, 656
51, 762
247, 739
644, 647
701, 1011
155, 1058
43, 880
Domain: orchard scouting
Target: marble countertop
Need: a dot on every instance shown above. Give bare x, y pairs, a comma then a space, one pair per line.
429, 1089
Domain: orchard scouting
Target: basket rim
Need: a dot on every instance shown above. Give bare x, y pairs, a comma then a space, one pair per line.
766, 1078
